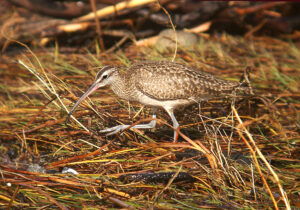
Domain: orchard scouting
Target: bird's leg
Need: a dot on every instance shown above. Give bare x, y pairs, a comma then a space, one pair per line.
119, 128
175, 123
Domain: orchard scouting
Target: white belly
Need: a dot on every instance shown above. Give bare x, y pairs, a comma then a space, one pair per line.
146, 100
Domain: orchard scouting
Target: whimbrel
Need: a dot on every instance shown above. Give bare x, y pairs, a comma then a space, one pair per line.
162, 84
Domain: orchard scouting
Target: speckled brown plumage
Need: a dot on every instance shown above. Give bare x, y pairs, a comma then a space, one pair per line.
166, 81
163, 84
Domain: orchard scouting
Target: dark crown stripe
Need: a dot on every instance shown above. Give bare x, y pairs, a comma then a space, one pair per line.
103, 69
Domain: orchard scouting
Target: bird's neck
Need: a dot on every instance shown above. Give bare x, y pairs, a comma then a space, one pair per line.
119, 86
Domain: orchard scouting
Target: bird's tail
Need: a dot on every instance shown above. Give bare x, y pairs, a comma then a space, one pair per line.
245, 87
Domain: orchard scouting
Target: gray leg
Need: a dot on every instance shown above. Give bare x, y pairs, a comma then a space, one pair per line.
119, 128
175, 123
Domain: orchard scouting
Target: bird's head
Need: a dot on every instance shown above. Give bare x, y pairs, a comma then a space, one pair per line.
104, 77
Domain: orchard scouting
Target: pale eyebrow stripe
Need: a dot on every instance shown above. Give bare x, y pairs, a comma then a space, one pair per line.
101, 70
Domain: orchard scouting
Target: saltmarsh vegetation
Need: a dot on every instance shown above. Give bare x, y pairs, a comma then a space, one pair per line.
239, 154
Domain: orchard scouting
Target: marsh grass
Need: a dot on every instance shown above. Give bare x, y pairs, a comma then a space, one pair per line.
35, 105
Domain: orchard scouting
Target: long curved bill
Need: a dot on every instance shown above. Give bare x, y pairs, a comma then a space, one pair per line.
86, 94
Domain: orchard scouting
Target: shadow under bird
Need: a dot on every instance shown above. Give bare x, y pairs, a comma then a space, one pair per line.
162, 84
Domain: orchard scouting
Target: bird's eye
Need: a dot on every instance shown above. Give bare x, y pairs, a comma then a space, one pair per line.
105, 76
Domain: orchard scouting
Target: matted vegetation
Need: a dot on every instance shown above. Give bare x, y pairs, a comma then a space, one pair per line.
212, 165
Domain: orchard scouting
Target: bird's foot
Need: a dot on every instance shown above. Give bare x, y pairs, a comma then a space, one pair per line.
114, 130
119, 128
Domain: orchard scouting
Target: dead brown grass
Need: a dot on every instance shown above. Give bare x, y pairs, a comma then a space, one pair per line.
214, 165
